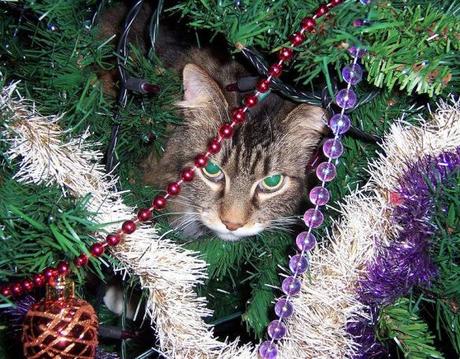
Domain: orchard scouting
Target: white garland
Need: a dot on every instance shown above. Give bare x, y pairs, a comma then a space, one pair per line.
169, 272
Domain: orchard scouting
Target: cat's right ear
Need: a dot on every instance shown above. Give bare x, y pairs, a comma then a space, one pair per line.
200, 90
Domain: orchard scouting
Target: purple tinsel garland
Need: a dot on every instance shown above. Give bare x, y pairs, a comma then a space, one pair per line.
406, 262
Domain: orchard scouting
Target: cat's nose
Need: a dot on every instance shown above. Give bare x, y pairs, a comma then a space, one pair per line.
231, 226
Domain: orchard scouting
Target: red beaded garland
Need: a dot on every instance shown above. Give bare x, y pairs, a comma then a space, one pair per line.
250, 100
187, 174
144, 214
49, 273
16, 288
128, 227
275, 70
113, 239
39, 279
335, 2
81, 260
322, 10
238, 115
174, 187
308, 24
214, 147
285, 54
6, 291
63, 268
201, 160
97, 249
27, 285
263, 85
159, 202
297, 39
226, 131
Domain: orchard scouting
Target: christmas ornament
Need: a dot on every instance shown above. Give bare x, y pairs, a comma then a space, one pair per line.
60, 326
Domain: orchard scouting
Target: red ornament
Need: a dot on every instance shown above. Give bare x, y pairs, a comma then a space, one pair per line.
250, 100
144, 214
214, 146
60, 326
81, 260
27, 285
173, 189
226, 130
334, 3
238, 115
187, 174
297, 39
275, 70
16, 289
113, 239
6, 291
263, 85
201, 160
285, 54
97, 249
49, 273
159, 202
308, 24
322, 10
63, 268
39, 280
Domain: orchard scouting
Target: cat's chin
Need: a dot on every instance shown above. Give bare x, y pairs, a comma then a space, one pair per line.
229, 237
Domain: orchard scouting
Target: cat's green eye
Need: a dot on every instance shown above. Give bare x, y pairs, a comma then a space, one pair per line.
272, 183
212, 171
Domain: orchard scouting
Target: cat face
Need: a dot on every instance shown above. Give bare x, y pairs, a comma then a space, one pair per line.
258, 179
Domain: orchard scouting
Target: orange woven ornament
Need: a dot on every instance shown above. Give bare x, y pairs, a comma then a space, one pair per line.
60, 326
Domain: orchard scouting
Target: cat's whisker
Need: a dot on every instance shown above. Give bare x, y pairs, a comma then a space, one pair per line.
174, 213
186, 203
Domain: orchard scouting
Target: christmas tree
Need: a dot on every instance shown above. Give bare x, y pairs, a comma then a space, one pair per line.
83, 103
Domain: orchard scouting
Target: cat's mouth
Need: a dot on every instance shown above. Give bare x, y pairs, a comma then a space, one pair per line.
219, 229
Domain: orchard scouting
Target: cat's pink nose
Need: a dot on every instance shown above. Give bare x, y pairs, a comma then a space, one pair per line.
232, 226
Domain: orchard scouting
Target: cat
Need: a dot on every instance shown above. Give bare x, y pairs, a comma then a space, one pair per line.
258, 179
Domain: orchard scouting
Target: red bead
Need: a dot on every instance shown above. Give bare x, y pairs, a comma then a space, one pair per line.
16, 289
226, 131
49, 273
173, 189
6, 291
27, 285
285, 54
308, 24
187, 174
238, 115
113, 239
39, 280
250, 100
322, 10
275, 70
63, 267
335, 2
97, 249
214, 146
128, 227
144, 214
297, 39
81, 260
263, 85
159, 202
201, 160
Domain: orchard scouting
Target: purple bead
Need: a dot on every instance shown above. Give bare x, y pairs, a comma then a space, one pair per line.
319, 196
365, 2
283, 308
358, 22
276, 329
305, 241
346, 98
313, 218
298, 264
333, 148
356, 51
352, 74
326, 171
268, 350
339, 124
291, 285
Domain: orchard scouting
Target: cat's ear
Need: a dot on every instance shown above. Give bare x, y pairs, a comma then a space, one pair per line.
200, 90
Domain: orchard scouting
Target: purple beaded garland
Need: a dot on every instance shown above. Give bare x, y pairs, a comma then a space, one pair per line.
298, 264
290, 286
339, 124
333, 148
276, 329
326, 171
356, 51
305, 241
313, 218
268, 350
352, 74
319, 196
346, 98
283, 308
